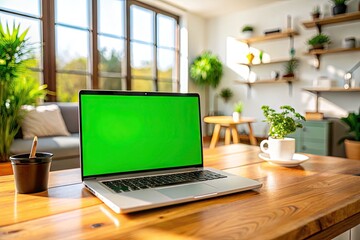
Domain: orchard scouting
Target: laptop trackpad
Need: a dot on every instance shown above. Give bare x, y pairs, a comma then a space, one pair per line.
186, 191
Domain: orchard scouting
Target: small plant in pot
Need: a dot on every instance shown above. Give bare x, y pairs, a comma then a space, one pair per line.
247, 31
316, 12
352, 140
290, 67
319, 41
226, 94
238, 108
280, 125
339, 7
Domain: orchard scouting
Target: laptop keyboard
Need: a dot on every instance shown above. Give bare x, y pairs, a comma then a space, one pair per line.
133, 184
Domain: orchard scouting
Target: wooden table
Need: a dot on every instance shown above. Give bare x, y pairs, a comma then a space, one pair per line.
318, 200
230, 129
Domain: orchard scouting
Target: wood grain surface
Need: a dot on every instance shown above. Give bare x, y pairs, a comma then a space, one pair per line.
318, 200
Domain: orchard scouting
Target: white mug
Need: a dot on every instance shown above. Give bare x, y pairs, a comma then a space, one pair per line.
279, 149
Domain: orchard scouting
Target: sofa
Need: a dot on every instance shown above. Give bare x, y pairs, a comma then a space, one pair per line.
65, 148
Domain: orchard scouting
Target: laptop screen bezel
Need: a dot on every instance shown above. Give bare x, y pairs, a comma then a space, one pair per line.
135, 93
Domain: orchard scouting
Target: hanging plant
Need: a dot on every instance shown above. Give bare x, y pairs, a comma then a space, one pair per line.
226, 94
206, 70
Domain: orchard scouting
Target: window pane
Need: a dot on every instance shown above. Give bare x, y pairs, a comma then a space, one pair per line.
142, 85
75, 13
141, 60
68, 86
166, 64
31, 7
33, 34
111, 17
111, 83
167, 86
111, 53
37, 76
72, 49
142, 24
166, 31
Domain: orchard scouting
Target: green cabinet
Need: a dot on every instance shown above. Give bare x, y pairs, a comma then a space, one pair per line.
313, 138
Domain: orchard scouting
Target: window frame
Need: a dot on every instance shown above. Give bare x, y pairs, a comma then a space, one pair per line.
48, 38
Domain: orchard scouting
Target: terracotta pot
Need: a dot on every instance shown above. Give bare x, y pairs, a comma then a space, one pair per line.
352, 149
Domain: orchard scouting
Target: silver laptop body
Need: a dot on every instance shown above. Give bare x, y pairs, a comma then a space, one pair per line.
128, 136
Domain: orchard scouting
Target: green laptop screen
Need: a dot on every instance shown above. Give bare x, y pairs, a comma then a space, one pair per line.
126, 133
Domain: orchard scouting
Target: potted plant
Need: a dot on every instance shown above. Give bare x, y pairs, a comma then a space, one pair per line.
290, 67
316, 12
206, 69
226, 94
16, 86
339, 7
238, 108
352, 140
319, 41
280, 125
247, 31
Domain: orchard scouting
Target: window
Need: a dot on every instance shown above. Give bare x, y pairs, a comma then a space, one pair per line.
99, 44
153, 50
15, 11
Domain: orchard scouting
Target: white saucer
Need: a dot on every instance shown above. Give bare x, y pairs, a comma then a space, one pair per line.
295, 161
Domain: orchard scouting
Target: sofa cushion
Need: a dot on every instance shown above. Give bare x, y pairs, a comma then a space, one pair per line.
60, 146
43, 121
70, 113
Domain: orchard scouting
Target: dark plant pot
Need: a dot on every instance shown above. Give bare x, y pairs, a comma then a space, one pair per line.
315, 15
339, 9
31, 174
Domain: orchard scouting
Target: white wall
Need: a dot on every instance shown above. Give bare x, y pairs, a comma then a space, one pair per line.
220, 34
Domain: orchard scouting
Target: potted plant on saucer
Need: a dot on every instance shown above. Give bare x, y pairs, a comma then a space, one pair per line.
280, 125
318, 41
238, 108
352, 140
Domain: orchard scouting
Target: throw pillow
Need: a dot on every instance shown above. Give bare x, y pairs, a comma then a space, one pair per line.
43, 121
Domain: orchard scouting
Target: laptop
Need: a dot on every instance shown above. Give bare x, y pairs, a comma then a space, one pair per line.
142, 150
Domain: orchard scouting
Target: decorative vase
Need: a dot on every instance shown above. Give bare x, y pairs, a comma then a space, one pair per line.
250, 57
339, 9
352, 149
236, 116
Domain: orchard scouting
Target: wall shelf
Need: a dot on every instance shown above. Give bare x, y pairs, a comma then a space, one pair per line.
341, 18
332, 89
334, 50
288, 81
272, 36
281, 80
332, 20
318, 90
277, 61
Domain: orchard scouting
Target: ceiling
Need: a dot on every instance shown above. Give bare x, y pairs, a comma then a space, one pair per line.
214, 8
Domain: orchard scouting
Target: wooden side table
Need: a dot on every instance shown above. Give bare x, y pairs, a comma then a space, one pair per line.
230, 129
